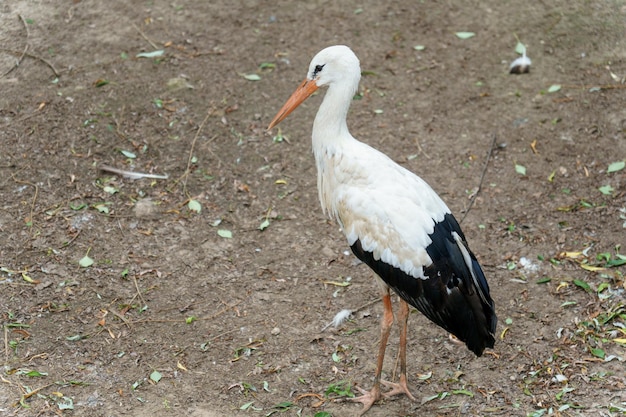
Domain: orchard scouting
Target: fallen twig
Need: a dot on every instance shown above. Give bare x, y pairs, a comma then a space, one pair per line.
139, 292
419, 148
18, 53
19, 60
131, 174
27, 395
121, 317
482, 178
143, 35
190, 158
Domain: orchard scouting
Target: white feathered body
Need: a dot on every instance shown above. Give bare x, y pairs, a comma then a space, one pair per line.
385, 206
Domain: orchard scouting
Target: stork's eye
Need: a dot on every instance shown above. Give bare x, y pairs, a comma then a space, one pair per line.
318, 69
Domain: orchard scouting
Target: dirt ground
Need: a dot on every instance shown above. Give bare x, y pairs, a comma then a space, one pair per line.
205, 314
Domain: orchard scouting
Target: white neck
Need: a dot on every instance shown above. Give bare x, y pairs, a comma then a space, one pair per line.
330, 137
330, 127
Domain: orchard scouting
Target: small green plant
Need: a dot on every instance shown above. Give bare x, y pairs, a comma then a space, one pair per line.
340, 389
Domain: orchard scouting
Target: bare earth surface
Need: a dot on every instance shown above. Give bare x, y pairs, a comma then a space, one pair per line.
232, 317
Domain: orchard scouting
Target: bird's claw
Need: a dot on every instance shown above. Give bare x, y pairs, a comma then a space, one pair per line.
372, 396
400, 387
368, 398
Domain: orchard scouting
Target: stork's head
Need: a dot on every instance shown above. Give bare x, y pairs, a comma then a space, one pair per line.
335, 65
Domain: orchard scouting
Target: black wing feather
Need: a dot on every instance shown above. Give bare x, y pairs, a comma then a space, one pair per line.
451, 296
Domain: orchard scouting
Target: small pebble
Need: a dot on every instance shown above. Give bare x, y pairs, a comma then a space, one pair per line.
145, 208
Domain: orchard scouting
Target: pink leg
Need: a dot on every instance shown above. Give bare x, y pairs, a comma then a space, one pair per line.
401, 387
370, 397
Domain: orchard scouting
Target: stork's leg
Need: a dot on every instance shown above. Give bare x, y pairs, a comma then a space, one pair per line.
401, 387
370, 397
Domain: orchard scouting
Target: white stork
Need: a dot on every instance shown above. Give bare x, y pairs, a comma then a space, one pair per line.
394, 222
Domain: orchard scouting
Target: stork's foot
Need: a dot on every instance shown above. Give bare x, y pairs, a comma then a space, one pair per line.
400, 387
368, 398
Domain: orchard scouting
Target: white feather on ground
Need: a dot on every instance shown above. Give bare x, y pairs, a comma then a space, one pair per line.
339, 319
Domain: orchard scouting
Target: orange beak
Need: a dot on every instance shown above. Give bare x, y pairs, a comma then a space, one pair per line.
305, 89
